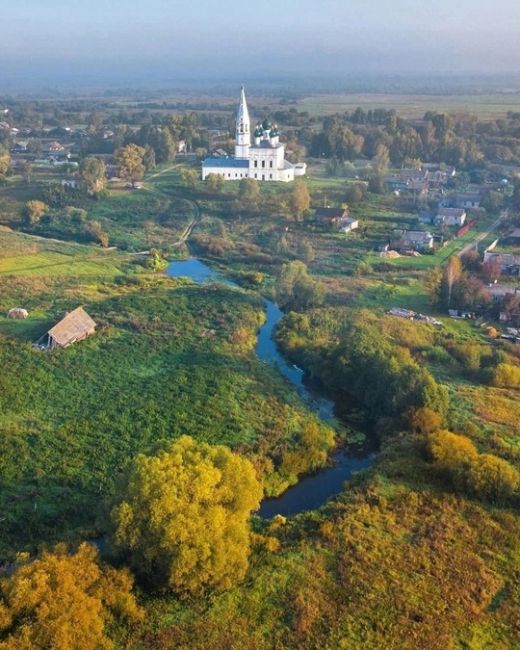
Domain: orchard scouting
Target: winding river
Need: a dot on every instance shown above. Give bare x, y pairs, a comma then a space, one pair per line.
312, 491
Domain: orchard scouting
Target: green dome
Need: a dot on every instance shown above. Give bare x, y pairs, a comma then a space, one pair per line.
259, 131
274, 132
266, 124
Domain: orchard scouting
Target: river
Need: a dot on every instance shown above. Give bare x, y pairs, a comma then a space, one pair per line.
312, 491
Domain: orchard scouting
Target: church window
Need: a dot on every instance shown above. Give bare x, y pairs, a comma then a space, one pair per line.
256, 175
270, 176
263, 177
263, 163
256, 163
271, 164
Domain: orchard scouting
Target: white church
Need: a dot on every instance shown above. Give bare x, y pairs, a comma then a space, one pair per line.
263, 160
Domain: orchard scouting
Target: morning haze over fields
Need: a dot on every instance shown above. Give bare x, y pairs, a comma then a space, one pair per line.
260, 325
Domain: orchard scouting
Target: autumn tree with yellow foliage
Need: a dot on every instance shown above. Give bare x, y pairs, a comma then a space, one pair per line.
64, 601
183, 519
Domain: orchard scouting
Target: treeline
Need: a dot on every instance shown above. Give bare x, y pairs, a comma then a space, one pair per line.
437, 138
464, 141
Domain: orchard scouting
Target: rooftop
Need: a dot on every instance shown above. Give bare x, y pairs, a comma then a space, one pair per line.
225, 162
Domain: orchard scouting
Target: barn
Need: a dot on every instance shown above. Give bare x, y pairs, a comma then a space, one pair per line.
73, 327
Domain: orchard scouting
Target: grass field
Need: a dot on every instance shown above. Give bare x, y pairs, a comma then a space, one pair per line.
413, 106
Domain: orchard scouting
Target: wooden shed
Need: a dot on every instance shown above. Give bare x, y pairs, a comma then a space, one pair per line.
74, 326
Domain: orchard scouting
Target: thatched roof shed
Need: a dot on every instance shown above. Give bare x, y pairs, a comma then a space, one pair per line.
17, 312
75, 326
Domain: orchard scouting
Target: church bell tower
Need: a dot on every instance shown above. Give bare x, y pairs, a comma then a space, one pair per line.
243, 130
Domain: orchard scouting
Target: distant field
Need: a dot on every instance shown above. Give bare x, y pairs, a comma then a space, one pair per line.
414, 106
25, 255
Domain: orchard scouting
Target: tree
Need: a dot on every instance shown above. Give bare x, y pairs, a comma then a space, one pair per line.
33, 211
423, 420
149, 158
300, 199
432, 284
64, 601
306, 252
95, 232
190, 178
452, 274
183, 518
130, 162
381, 160
355, 193
28, 171
155, 261
5, 160
215, 183
296, 287
376, 184
493, 478
249, 192
92, 175
491, 270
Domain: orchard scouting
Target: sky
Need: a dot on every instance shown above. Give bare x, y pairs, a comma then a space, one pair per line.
134, 41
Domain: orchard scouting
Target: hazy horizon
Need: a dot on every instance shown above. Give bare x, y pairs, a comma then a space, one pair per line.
92, 42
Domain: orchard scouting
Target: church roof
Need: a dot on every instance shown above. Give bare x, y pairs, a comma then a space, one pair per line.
225, 162
243, 112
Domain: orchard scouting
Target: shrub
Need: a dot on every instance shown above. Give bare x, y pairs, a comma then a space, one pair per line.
506, 376
424, 420
33, 211
492, 478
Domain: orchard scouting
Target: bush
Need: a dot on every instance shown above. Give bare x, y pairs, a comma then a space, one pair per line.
492, 478
506, 376
482, 475
33, 211
424, 420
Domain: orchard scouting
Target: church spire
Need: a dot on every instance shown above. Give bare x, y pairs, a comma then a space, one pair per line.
243, 128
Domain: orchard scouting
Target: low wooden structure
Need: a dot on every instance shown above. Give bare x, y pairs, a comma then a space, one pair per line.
74, 326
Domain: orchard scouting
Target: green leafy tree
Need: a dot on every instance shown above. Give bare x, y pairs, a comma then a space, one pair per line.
155, 261
64, 601
249, 192
296, 288
215, 183
149, 158
92, 175
183, 518
306, 252
130, 162
190, 178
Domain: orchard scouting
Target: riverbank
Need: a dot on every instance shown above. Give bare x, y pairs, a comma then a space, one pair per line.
314, 490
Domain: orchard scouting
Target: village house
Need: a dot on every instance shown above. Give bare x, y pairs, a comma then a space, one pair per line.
450, 217
509, 262
513, 238
408, 180
412, 240
466, 200
331, 216
347, 224
73, 327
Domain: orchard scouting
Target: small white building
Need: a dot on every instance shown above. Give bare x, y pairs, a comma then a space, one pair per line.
348, 224
450, 217
263, 160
